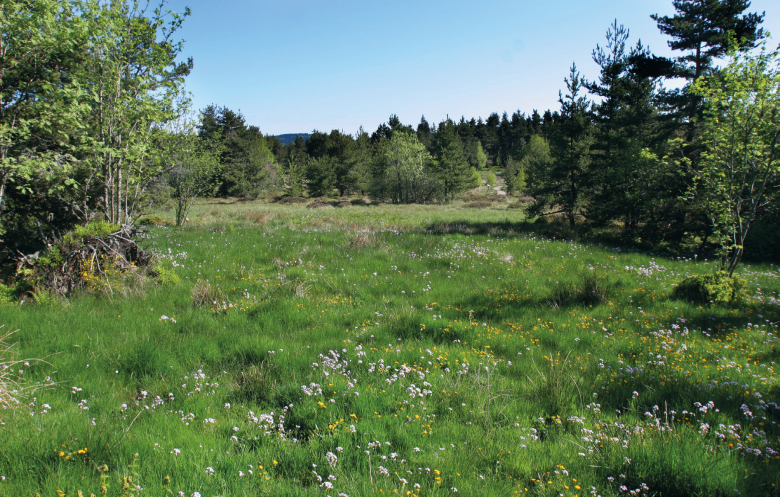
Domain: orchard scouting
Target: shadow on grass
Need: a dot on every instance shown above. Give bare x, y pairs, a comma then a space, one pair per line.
507, 228
606, 237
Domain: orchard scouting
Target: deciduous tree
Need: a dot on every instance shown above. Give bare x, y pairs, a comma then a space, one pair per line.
739, 171
42, 104
133, 78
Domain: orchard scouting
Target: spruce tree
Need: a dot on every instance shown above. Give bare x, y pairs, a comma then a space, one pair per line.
623, 185
450, 162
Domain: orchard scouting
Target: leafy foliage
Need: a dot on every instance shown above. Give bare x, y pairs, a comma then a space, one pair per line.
402, 173
738, 173
713, 288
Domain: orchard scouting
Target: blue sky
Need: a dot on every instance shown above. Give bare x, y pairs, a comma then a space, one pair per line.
299, 65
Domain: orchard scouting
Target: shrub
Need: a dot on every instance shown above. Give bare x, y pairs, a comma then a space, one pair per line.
7, 295
476, 178
100, 257
166, 277
713, 288
491, 178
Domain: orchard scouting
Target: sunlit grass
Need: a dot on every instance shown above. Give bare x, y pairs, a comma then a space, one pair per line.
404, 350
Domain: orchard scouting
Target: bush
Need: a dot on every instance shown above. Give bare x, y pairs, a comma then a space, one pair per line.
7, 295
491, 178
476, 178
713, 288
166, 277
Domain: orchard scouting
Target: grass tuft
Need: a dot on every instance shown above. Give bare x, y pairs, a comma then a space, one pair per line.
203, 294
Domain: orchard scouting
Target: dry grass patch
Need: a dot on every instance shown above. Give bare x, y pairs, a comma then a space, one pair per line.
319, 205
203, 294
453, 228
259, 217
359, 239
326, 222
479, 204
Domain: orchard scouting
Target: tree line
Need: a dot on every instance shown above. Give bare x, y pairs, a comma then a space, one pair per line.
94, 122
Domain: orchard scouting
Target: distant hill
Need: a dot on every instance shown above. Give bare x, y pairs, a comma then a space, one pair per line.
290, 137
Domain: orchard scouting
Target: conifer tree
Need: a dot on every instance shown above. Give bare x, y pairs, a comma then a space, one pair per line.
622, 182
563, 186
701, 30
450, 162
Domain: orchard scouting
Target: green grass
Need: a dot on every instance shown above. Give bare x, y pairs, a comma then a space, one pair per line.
427, 348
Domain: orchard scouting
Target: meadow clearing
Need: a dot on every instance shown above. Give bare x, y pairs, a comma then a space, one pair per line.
410, 350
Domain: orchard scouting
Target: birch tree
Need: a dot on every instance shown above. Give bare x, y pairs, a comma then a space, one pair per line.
739, 172
134, 78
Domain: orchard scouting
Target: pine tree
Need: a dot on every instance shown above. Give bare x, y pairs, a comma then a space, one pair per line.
701, 29
564, 184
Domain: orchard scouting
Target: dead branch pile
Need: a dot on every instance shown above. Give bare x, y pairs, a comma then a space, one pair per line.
70, 262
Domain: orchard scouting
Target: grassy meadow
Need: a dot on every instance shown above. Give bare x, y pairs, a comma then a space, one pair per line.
382, 350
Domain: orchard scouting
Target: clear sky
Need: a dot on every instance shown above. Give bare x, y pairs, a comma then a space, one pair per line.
297, 65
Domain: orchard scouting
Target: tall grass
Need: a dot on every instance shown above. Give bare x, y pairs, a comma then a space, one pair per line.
408, 350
